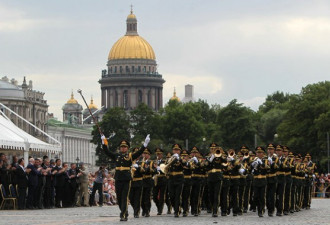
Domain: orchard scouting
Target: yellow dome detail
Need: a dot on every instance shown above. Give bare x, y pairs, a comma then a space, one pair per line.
174, 97
131, 16
131, 47
92, 105
72, 100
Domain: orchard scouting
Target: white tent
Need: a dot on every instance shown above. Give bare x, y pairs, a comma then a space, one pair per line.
13, 138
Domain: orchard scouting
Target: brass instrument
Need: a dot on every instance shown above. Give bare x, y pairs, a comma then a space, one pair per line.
218, 152
166, 166
133, 169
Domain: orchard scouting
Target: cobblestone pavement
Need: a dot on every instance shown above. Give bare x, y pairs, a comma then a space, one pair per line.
318, 214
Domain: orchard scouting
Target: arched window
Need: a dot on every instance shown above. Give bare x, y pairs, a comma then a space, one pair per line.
139, 68
115, 69
140, 97
133, 69
121, 69
125, 99
110, 69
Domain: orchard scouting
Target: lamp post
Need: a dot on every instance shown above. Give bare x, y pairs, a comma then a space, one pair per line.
204, 147
77, 159
275, 137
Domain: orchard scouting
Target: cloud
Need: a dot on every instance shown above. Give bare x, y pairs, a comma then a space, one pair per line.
253, 103
203, 83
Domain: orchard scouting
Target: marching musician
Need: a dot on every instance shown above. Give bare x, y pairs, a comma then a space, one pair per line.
260, 166
215, 164
174, 168
160, 183
309, 182
248, 180
224, 196
135, 193
187, 181
196, 181
280, 180
271, 179
288, 181
242, 181
167, 193
148, 182
123, 177
234, 181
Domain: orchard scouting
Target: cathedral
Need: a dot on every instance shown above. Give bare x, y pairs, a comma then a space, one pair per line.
132, 77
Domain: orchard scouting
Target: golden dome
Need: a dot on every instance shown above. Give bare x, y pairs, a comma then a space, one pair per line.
131, 47
174, 97
72, 100
92, 105
131, 16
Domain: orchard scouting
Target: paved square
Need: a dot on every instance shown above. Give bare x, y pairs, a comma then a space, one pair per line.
318, 214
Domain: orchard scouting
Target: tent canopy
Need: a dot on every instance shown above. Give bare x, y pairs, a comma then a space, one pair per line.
12, 137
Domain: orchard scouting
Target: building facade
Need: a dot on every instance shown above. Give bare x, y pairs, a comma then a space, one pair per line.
76, 142
132, 77
26, 102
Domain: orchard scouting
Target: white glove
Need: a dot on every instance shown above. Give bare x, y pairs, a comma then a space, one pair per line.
146, 141
259, 161
158, 168
254, 164
135, 165
195, 159
270, 160
176, 155
241, 171
211, 158
102, 138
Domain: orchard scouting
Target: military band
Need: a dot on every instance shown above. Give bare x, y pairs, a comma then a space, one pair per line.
228, 181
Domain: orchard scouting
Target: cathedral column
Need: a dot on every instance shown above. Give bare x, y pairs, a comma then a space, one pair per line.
104, 98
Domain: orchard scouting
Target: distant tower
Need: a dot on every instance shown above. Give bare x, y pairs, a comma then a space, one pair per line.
72, 111
188, 94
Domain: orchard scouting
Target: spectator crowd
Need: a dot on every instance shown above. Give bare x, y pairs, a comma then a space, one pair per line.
48, 183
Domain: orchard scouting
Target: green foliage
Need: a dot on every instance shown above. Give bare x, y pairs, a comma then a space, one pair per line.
236, 125
307, 120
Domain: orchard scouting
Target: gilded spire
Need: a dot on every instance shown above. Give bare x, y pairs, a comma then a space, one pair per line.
174, 96
92, 105
131, 24
72, 100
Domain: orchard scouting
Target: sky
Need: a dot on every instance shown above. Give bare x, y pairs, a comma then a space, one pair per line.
229, 49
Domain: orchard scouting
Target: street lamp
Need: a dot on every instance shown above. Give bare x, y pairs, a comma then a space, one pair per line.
77, 159
204, 147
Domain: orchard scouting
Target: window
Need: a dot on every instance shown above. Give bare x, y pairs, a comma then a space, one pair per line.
139, 69
140, 96
132, 69
115, 69
116, 99
149, 98
125, 99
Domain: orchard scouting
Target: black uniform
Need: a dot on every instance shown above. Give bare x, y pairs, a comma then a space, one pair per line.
159, 189
22, 183
123, 176
148, 184
272, 185
186, 187
175, 184
135, 193
281, 180
197, 179
260, 183
224, 199
214, 181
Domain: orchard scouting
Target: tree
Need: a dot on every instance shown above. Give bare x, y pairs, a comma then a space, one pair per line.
236, 125
307, 121
115, 120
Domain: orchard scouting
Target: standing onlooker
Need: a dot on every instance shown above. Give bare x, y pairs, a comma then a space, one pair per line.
98, 185
33, 183
83, 185
73, 183
22, 182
